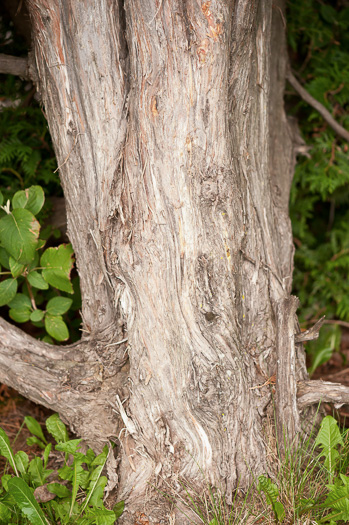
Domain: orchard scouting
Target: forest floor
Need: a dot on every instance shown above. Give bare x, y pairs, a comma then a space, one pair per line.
14, 408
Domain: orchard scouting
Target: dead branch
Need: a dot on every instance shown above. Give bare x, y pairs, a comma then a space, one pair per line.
312, 333
326, 115
11, 65
313, 392
63, 378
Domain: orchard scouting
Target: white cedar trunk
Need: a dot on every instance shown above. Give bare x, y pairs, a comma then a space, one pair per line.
176, 162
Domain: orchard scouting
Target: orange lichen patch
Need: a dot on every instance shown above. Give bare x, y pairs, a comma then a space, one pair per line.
142, 519
215, 29
154, 108
202, 50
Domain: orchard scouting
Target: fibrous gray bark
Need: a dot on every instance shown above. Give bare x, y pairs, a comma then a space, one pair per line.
176, 160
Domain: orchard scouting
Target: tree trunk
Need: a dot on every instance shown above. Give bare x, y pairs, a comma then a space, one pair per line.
176, 161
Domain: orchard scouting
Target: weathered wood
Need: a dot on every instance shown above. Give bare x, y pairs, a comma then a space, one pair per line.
11, 65
311, 334
286, 410
315, 392
73, 380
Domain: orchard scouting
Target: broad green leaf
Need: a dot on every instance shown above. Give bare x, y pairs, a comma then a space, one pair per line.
57, 428
37, 315
97, 487
16, 268
102, 516
279, 510
4, 258
41, 244
37, 471
338, 500
47, 454
8, 289
20, 301
6, 450
35, 262
271, 492
19, 233
48, 339
66, 473
34, 427
329, 437
25, 500
119, 509
22, 461
20, 315
212, 522
60, 490
71, 447
5, 513
36, 280
33, 440
57, 264
1, 199
32, 199
270, 489
101, 458
61, 510
56, 327
4, 480
58, 305
89, 456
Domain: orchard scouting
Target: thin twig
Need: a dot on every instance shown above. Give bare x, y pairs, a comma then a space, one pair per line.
326, 115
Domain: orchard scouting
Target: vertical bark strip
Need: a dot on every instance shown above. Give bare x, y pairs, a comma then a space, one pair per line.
82, 61
286, 413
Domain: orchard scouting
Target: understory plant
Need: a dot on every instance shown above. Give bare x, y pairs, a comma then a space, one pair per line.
32, 493
35, 281
319, 55
309, 486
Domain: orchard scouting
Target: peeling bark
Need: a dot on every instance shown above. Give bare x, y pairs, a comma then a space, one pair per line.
176, 160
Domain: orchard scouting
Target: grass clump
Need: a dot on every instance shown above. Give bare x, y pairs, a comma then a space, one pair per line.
308, 485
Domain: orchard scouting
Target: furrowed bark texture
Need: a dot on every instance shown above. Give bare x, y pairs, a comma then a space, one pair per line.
176, 180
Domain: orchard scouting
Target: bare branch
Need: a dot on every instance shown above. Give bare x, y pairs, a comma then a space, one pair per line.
313, 392
312, 333
11, 65
326, 115
63, 378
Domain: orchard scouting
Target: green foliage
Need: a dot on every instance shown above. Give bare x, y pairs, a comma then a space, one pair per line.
272, 493
77, 493
331, 504
28, 269
318, 37
321, 350
328, 438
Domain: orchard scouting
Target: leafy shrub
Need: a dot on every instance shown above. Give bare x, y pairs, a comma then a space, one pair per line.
319, 50
318, 36
40, 496
28, 270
